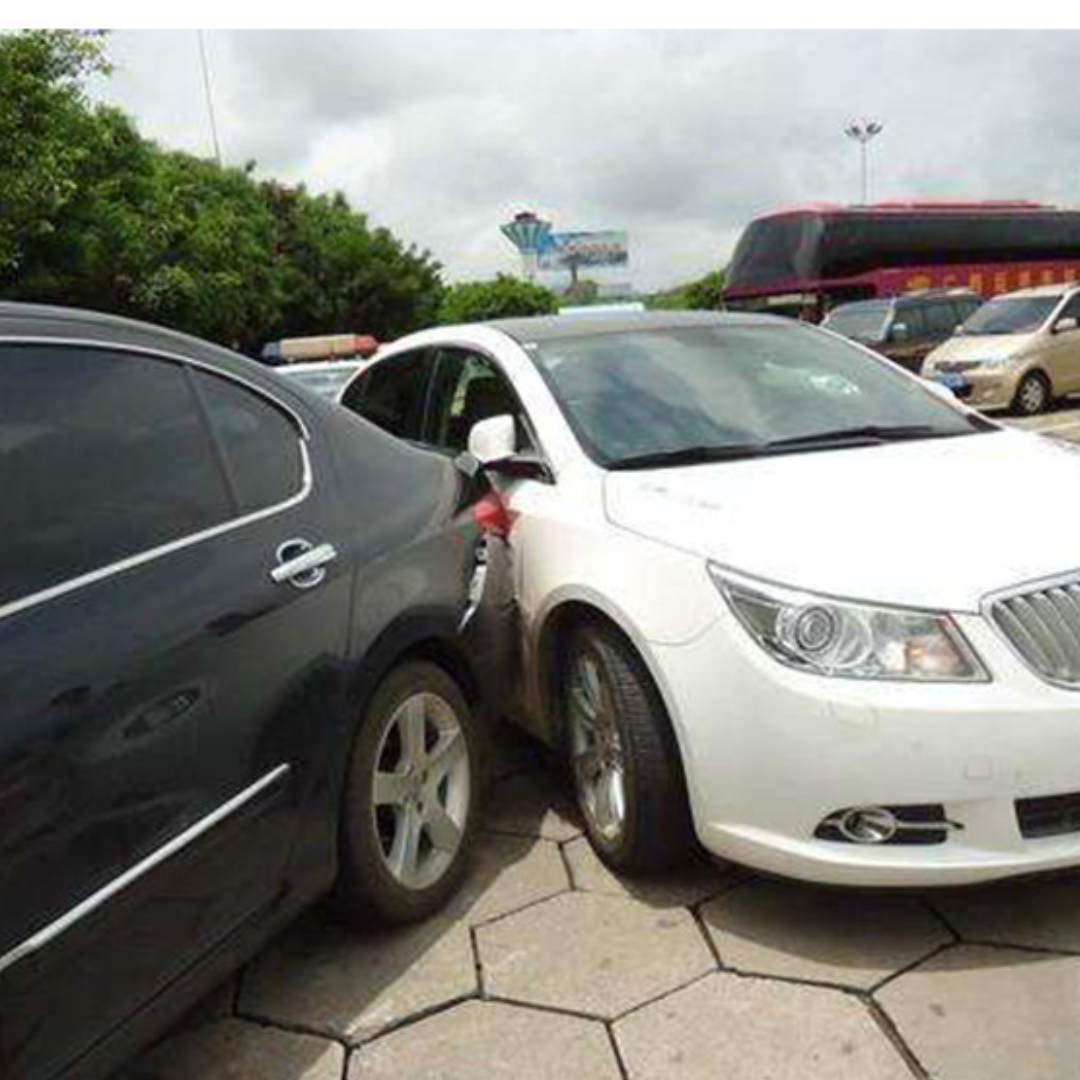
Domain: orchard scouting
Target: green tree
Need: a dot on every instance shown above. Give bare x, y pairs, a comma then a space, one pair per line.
339, 274
704, 294
503, 297
47, 133
93, 215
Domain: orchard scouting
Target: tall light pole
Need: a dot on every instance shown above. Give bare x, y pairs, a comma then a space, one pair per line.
209, 95
864, 131
527, 233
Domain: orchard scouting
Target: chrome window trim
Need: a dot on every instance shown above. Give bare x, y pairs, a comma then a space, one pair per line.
1069, 577
307, 481
36, 942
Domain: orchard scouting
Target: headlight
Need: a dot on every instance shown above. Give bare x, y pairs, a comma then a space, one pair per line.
825, 636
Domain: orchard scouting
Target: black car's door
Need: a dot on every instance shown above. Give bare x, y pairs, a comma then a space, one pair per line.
150, 668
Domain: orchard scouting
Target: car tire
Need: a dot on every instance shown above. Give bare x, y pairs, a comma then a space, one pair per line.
623, 757
410, 799
1032, 395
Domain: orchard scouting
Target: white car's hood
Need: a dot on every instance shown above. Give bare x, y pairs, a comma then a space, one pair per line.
935, 523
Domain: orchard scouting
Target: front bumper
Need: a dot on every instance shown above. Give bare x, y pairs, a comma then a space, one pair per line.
992, 388
770, 752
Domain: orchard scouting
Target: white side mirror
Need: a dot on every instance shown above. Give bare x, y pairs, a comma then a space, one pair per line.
493, 439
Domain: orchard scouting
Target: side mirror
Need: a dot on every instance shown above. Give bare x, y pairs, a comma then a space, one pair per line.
899, 332
1063, 326
493, 439
493, 443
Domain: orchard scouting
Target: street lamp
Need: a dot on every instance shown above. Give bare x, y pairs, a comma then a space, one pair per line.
527, 233
863, 132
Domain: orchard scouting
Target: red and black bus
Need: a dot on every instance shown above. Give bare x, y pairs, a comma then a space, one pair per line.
805, 260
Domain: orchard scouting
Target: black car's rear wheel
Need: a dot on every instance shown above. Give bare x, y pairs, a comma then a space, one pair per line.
409, 805
625, 763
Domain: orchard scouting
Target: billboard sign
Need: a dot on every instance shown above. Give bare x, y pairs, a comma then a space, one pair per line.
569, 250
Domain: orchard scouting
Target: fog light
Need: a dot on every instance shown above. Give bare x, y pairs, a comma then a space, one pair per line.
868, 825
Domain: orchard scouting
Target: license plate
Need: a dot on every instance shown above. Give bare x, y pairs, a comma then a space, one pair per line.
953, 382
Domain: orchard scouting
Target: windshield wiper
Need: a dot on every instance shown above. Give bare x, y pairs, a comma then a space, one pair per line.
688, 455
867, 433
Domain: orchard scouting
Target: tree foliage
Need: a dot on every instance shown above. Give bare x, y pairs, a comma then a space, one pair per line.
93, 215
701, 295
502, 297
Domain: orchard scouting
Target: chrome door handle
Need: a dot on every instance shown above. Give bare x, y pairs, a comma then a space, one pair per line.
302, 564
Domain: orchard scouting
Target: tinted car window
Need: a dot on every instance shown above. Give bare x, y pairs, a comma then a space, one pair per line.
102, 456
391, 394
260, 442
912, 318
940, 319
469, 388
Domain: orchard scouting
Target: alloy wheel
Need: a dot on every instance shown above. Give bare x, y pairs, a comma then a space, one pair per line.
420, 794
596, 749
1032, 396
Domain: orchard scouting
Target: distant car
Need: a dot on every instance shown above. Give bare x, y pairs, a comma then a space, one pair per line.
904, 328
768, 596
1019, 351
326, 379
245, 639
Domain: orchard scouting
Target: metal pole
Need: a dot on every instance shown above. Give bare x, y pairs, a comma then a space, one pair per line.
865, 188
209, 96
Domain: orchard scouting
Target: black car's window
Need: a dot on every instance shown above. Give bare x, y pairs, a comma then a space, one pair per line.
469, 388
261, 444
940, 319
102, 456
391, 394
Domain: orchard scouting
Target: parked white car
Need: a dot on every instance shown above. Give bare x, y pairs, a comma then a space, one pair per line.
769, 596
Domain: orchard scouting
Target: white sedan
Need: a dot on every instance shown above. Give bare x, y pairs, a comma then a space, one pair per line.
774, 593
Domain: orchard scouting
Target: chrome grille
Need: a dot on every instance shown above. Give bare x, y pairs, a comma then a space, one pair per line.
1043, 626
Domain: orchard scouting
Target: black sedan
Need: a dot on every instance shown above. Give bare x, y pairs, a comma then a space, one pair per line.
245, 644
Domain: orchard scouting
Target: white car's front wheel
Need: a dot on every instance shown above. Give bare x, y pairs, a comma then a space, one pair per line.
624, 760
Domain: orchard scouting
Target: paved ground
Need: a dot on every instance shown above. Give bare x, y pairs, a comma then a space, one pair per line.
1063, 421
548, 967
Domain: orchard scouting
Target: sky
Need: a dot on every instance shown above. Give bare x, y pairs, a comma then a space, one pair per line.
679, 138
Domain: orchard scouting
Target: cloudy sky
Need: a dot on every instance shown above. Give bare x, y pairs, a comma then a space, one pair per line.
677, 137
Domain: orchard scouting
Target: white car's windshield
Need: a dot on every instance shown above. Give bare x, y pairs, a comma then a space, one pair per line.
1011, 315
679, 395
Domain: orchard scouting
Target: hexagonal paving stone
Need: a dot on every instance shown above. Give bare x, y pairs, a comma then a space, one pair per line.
533, 804
507, 873
749, 1029
593, 954
821, 935
235, 1050
493, 1041
1042, 912
327, 979
678, 887
979, 1013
